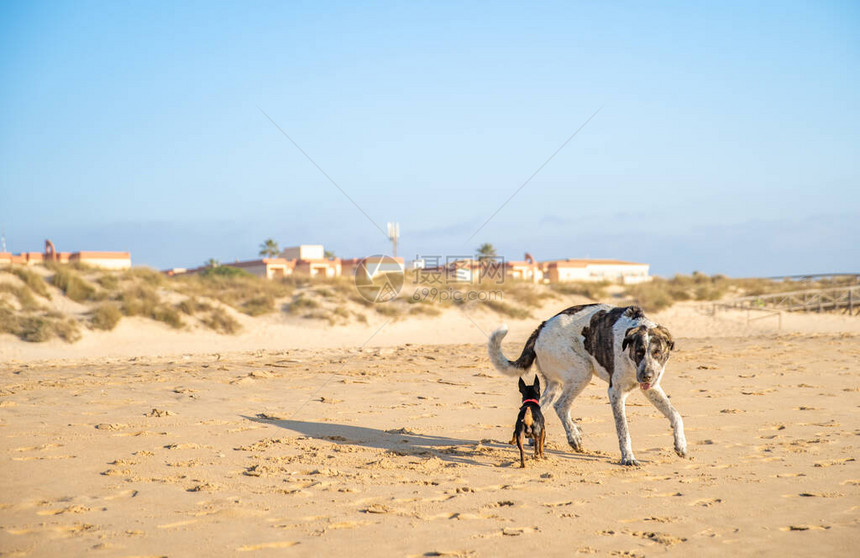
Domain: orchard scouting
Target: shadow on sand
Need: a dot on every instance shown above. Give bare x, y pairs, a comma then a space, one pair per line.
403, 441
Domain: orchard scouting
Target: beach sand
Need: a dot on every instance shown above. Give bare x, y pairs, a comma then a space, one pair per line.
401, 449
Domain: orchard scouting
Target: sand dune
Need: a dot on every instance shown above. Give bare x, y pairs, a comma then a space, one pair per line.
469, 324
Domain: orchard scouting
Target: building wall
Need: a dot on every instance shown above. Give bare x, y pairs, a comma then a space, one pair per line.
304, 252
101, 262
612, 272
257, 268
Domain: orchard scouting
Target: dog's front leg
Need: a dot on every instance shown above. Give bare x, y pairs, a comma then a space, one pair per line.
617, 399
658, 397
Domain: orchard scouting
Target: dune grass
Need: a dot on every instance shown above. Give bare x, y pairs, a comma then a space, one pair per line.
32, 279
236, 288
22, 294
74, 286
38, 327
218, 320
595, 290
105, 316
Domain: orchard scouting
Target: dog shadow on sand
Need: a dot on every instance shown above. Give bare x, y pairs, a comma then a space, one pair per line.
403, 441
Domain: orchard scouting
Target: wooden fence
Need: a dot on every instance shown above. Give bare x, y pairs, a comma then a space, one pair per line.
844, 300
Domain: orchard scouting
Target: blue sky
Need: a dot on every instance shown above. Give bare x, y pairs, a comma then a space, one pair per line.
727, 138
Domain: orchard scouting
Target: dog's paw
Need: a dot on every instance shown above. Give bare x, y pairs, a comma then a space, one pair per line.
576, 445
630, 462
682, 452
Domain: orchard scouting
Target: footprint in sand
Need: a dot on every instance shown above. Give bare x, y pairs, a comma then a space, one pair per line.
122, 495
177, 524
266, 546
68, 509
450, 553
707, 502
661, 538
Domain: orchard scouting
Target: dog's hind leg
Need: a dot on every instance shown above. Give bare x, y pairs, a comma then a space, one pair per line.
520, 436
562, 409
541, 442
550, 394
658, 397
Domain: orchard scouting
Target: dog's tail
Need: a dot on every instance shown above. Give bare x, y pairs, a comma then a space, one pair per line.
511, 368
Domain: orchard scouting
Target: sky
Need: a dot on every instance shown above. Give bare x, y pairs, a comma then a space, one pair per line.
720, 137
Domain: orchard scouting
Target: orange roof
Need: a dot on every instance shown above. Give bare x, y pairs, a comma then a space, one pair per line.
266, 261
520, 264
586, 263
103, 255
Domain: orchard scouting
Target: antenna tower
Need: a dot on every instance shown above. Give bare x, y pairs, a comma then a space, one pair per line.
394, 236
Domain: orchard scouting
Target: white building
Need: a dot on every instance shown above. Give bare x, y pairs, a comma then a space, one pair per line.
613, 271
304, 252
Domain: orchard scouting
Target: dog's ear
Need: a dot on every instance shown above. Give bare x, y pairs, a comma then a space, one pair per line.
522, 386
536, 384
666, 335
628, 337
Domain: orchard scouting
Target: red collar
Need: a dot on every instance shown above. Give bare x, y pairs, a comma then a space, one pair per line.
535, 401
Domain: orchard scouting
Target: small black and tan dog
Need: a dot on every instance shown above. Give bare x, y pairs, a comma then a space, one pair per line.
530, 420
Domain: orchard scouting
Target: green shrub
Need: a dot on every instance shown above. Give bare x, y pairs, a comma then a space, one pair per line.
225, 271
105, 316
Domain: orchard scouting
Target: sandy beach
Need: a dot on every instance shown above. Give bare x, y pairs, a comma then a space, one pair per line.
400, 449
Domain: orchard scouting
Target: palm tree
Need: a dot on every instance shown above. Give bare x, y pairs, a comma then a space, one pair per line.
269, 248
486, 251
212, 262
329, 255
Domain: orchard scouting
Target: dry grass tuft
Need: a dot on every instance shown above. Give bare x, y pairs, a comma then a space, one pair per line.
236, 288
73, 285
506, 309
591, 289
22, 295
106, 316
32, 279
37, 328
302, 302
220, 321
